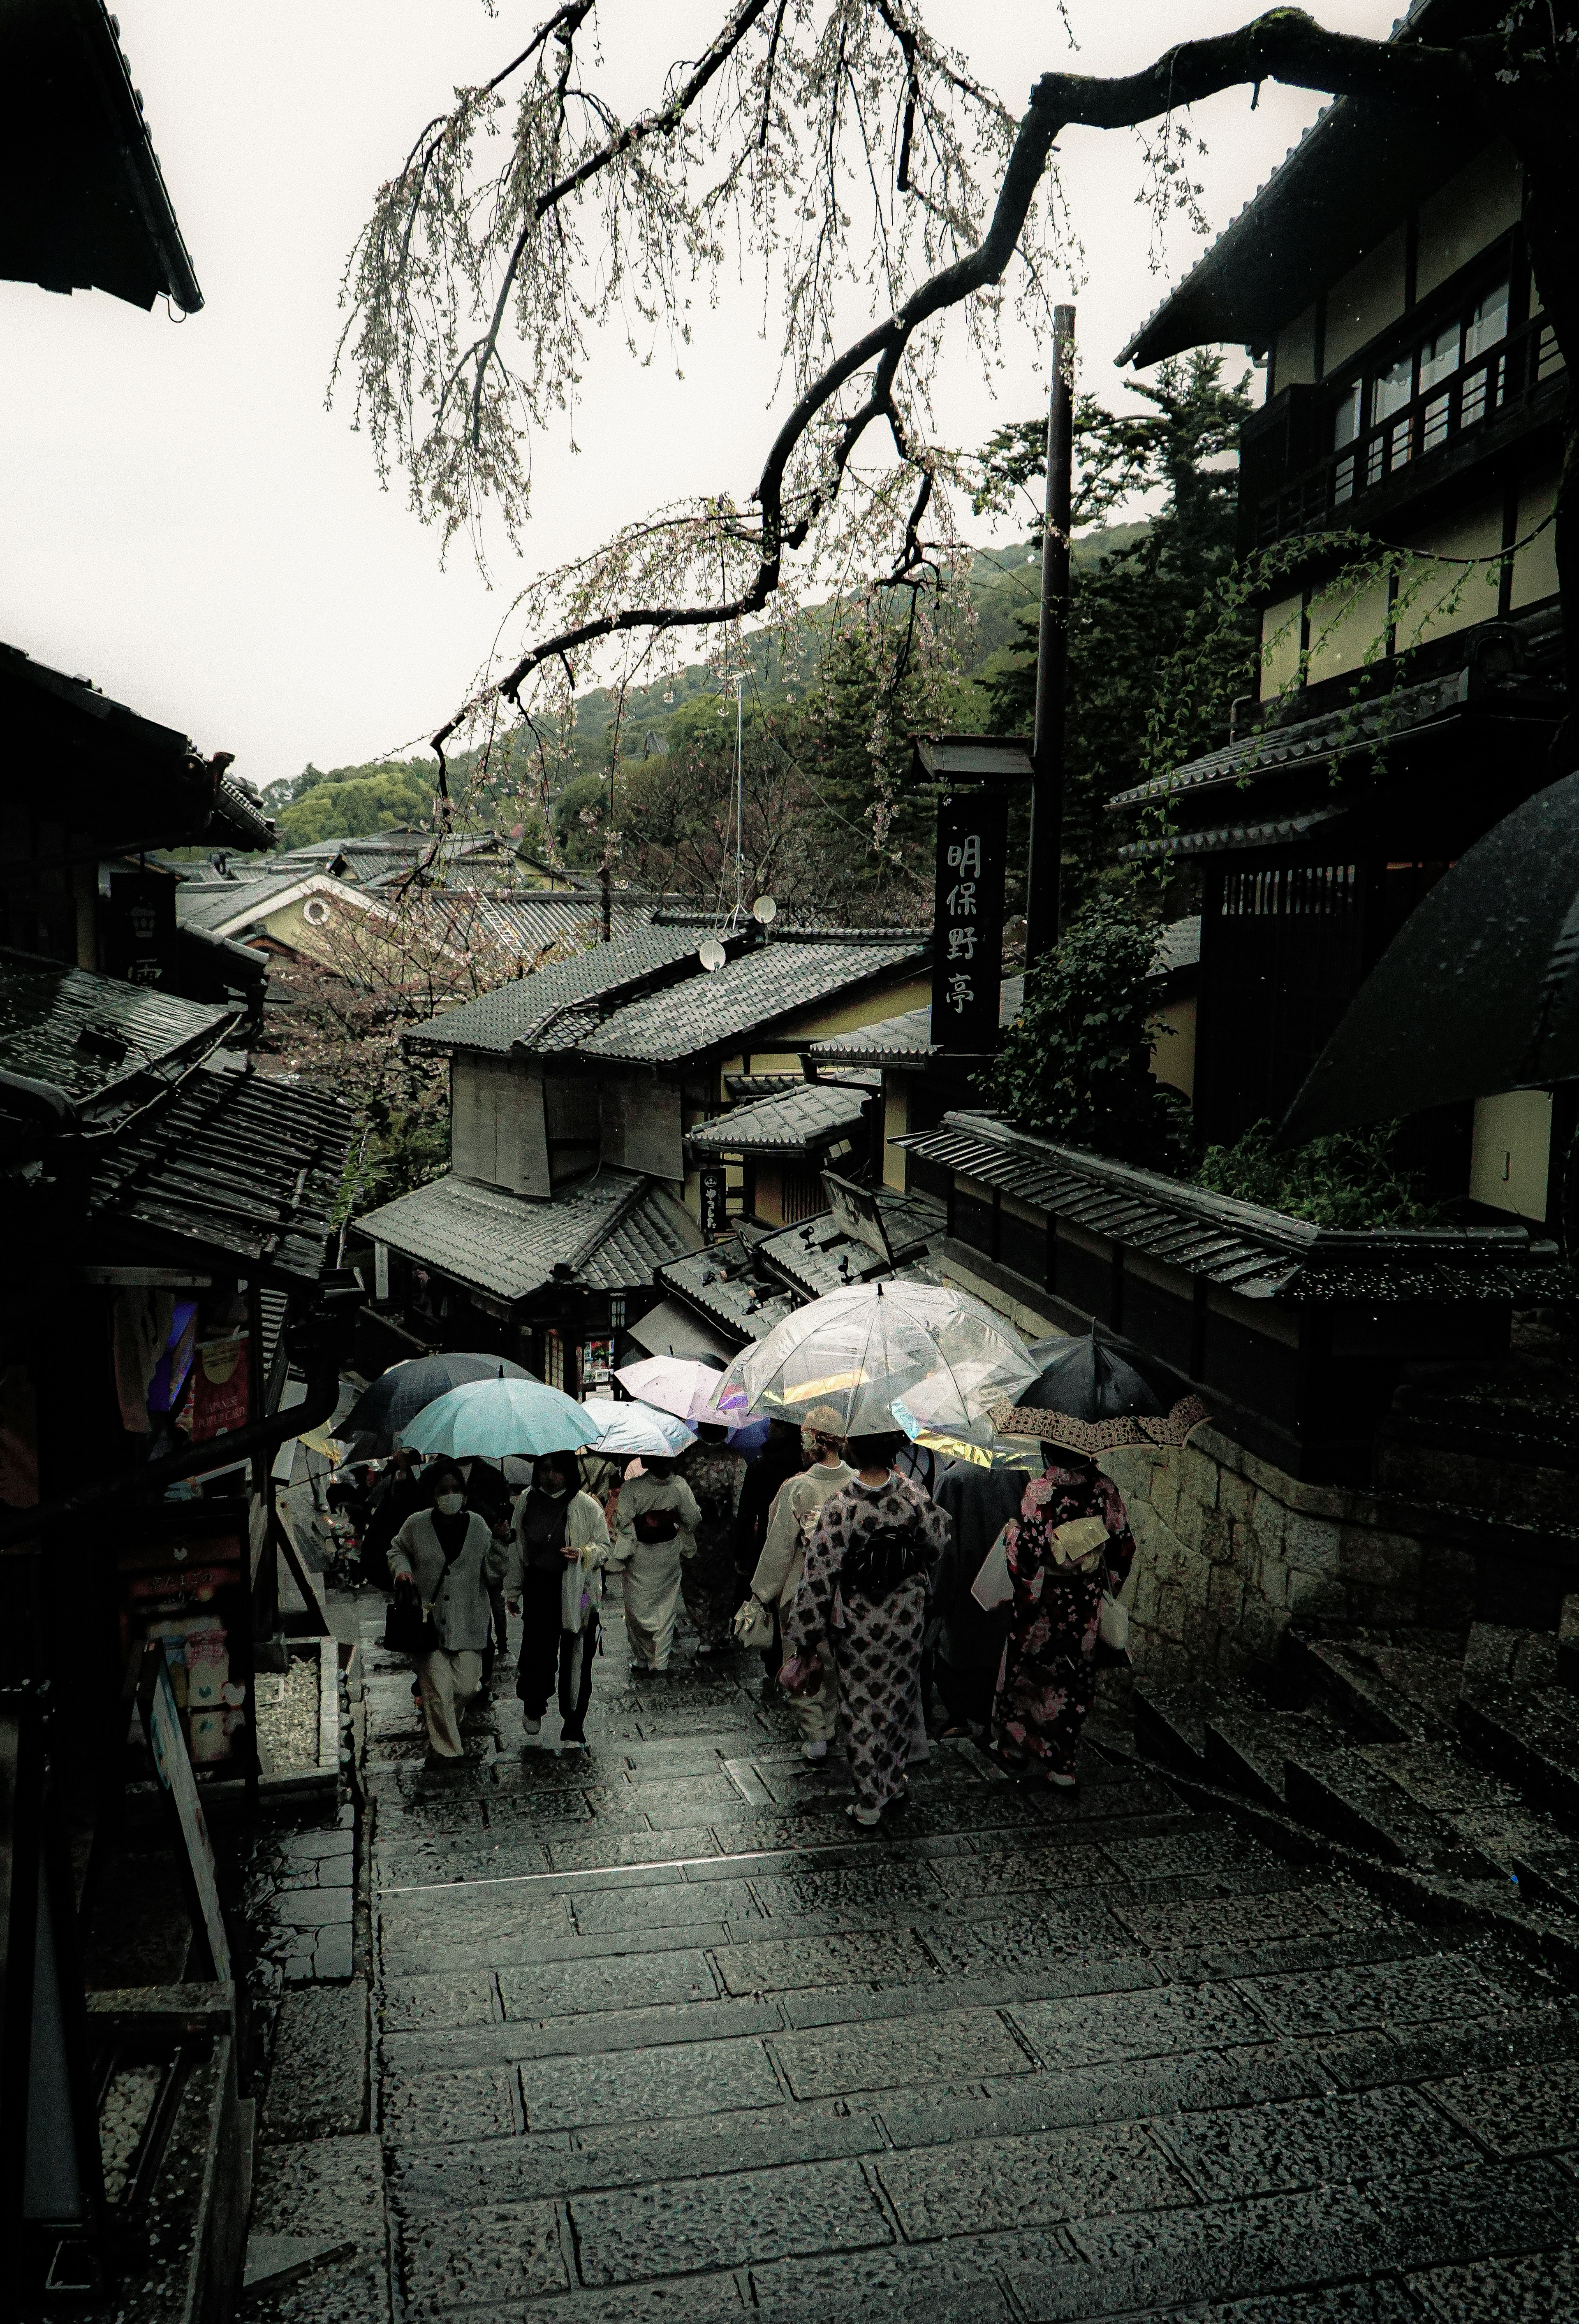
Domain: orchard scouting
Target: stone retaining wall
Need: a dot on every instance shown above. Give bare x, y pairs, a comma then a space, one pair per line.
1231, 1551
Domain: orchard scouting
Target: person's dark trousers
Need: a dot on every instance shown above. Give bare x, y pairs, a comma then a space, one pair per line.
967, 1694
537, 1664
577, 1652
498, 1638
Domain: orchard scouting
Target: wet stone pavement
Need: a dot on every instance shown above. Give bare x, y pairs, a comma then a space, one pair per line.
656, 2035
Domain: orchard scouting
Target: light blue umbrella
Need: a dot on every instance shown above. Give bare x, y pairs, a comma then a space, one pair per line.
635, 1428
496, 1418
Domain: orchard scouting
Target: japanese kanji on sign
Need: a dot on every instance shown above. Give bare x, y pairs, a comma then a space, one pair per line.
968, 922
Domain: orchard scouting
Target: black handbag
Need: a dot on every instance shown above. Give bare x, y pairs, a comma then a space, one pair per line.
408, 1628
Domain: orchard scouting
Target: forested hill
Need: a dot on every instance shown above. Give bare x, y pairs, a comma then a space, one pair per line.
1004, 583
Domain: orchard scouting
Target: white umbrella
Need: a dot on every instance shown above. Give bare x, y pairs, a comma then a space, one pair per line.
627, 1429
676, 1384
916, 1355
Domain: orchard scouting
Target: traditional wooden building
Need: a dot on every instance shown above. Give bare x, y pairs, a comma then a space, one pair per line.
1414, 394
587, 1147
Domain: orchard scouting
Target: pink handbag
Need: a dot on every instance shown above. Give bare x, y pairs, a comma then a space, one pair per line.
800, 1674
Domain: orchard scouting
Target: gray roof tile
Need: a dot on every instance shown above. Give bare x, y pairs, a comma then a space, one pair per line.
792, 1121
89, 1035
613, 1230
522, 1010
752, 991
718, 1284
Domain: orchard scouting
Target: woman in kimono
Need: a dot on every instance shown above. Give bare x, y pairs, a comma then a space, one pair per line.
447, 1558
714, 1473
791, 1523
862, 1605
554, 1578
1070, 1546
656, 1522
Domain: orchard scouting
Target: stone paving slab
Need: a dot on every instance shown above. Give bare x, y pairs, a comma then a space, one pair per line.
647, 2085
668, 2229
594, 2033
660, 2036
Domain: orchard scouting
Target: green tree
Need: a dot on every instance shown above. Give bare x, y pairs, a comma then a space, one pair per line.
1075, 1062
1130, 613
376, 800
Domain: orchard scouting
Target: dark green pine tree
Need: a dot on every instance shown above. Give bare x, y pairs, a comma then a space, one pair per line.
1131, 609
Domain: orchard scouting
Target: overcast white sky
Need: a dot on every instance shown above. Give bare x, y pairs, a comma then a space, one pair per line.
183, 519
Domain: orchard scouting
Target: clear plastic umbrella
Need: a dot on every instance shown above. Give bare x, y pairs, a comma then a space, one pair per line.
625, 1429
914, 1355
676, 1384
496, 1418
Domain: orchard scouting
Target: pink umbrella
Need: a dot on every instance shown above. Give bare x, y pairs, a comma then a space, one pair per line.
675, 1383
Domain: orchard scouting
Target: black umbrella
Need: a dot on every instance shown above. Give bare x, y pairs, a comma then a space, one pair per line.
1088, 1400
398, 1395
1478, 991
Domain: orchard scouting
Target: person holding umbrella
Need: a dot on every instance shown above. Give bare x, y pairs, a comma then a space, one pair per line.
862, 1606
553, 1579
790, 1524
714, 1473
1063, 1560
447, 1558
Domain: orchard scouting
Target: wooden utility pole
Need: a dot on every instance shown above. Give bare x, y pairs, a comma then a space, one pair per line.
1052, 653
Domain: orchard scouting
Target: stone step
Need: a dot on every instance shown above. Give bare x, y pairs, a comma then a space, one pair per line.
1550, 1876
1349, 1677
1488, 1817
1345, 1795
1498, 1655
1169, 1725
1248, 1748
1568, 1644
1529, 1734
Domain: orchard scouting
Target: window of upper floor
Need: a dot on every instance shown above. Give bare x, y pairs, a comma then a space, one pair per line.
1448, 379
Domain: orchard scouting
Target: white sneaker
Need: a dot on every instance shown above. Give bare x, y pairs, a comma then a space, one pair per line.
531, 1727
1064, 1783
814, 1750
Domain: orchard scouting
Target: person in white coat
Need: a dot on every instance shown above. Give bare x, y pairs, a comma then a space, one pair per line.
448, 1559
554, 1578
655, 1526
791, 1523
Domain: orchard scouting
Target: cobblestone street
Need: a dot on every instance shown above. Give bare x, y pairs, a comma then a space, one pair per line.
653, 2036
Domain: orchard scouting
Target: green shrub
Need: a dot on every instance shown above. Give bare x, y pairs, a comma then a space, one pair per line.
1075, 1062
1352, 1179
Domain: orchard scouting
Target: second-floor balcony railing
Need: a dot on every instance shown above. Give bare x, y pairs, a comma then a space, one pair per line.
1446, 412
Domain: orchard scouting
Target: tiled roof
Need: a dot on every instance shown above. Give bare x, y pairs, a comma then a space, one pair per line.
754, 989
816, 1257
239, 1167
904, 1038
719, 1284
532, 1009
238, 819
796, 1120
1307, 742
90, 1037
1228, 838
528, 920
1178, 946
215, 903
1260, 1254
611, 1231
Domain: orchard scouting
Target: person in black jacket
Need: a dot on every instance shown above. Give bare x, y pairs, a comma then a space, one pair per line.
780, 1459
967, 1640
402, 1494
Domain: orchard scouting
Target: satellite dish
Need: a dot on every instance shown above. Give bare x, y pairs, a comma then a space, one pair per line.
711, 954
764, 909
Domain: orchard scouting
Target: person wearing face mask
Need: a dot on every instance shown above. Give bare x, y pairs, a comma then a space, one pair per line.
554, 1578
447, 1558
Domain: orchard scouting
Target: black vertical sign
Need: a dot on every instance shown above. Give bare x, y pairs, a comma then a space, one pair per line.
968, 921
713, 1200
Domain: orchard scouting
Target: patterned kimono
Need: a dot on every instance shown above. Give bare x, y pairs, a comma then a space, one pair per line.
710, 1586
1048, 1681
876, 1647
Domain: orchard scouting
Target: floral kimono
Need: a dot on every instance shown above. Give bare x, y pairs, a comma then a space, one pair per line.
1048, 1678
874, 1643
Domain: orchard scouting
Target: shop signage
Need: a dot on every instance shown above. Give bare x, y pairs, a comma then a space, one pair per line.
714, 1200
219, 1386
137, 927
968, 922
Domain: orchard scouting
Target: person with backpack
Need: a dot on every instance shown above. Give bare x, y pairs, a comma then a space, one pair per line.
862, 1604
656, 1519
